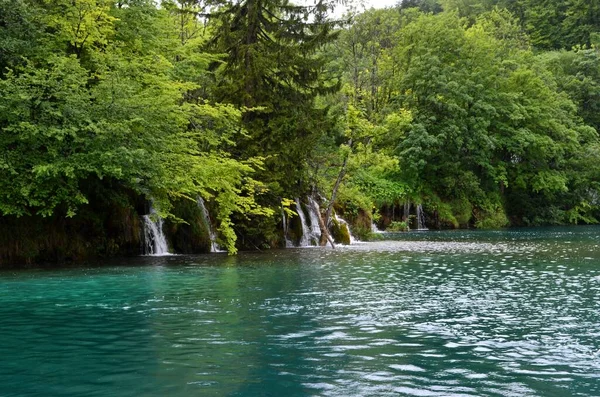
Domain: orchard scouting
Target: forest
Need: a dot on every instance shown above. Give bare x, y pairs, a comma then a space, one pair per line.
484, 113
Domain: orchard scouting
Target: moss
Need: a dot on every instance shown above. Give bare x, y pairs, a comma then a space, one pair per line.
109, 225
295, 229
191, 234
344, 235
339, 232
398, 226
447, 215
361, 224
56, 239
490, 213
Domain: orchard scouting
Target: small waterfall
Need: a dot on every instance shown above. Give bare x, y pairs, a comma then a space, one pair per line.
420, 218
344, 223
311, 232
214, 247
288, 242
155, 242
315, 229
406, 215
375, 229
304, 240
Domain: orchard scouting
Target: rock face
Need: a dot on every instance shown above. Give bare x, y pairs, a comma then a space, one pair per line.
340, 232
102, 228
108, 226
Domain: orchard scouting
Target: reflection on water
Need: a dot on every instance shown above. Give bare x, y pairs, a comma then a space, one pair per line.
430, 314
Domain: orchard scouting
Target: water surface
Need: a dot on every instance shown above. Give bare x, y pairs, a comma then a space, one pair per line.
509, 313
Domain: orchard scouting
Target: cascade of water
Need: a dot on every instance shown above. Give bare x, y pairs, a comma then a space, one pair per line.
214, 247
305, 239
288, 242
406, 215
315, 229
375, 229
420, 218
154, 238
345, 224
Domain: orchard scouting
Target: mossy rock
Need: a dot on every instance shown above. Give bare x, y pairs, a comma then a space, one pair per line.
339, 232
295, 229
109, 225
191, 236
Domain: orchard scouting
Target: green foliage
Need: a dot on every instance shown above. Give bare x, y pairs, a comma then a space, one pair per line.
577, 73
397, 226
352, 201
490, 213
20, 31
271, 72
96, 109
426, 6
81, 26
582, 213
461, 210
554, 24
481, 122
487, 117
550, 24
106, 105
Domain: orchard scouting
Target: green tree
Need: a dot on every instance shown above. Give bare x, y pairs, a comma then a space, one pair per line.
361, 53
577, 73
272, 71
488, 122
20, 32
102, 112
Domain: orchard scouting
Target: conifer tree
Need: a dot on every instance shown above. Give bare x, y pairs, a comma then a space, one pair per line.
272, 70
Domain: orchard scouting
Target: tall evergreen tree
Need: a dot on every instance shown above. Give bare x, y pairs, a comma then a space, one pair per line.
272, 70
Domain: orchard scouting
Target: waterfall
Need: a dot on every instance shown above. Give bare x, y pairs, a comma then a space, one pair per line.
288, 242
420, 218
315, 229
214, 247
406, 215
155, 242
311, 232
304, 240
345, 224
375, 229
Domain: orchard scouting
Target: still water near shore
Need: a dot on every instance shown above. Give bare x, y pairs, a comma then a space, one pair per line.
503, 313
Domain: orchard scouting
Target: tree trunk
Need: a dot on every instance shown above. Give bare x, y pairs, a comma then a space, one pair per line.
324, 230
325, 236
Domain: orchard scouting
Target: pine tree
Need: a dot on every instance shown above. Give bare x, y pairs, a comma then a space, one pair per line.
272, 70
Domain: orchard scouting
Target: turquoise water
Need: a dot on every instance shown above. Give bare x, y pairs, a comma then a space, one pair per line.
512, 313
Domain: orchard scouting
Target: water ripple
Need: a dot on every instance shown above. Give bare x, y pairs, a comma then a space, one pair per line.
431, 314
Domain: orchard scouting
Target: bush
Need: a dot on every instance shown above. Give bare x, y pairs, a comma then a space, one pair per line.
397, 226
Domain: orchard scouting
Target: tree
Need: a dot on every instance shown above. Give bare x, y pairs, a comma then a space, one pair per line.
488, 124
272, 71
20, 33
100, 112
362, 49
577, 73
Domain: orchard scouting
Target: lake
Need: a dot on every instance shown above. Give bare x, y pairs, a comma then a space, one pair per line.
454, 313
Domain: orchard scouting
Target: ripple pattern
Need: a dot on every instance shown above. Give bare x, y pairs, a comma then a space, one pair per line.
430, 314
